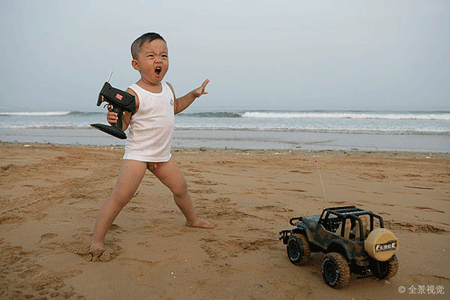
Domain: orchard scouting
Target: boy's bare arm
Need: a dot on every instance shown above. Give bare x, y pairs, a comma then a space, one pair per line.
112, 117
183, 102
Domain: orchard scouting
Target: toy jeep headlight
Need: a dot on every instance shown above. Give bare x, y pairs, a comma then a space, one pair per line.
381, 244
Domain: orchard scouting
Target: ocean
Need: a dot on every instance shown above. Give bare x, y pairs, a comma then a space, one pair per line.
422, 131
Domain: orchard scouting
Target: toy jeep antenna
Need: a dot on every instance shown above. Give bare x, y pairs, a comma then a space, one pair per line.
354, 241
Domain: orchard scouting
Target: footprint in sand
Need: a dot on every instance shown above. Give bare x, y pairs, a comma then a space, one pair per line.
207, 182
251, 245
373, 176
206, 191
274, 208
340, 203
290, 190
224, 201
137, 209
47, 236
419, 187
427, 208
376, 203
93, 255
417, 228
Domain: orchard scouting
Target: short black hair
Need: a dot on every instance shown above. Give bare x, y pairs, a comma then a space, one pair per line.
146, 37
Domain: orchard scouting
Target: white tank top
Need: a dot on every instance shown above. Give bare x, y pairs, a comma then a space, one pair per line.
151, 128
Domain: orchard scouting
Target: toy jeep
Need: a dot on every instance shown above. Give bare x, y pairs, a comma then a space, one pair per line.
353, 240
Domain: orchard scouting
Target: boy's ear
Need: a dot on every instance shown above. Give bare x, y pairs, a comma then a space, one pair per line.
134, 63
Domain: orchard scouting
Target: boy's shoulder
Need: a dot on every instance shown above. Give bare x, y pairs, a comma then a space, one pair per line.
131, 91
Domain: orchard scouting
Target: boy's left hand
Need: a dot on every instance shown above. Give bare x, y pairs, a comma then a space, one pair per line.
201, 90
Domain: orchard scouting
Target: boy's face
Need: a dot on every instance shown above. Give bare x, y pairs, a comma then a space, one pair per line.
152, 61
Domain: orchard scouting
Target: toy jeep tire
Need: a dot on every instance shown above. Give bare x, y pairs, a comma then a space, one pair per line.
335, 270
384, 269
298, 249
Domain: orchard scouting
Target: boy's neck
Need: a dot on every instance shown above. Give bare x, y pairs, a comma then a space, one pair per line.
152, 88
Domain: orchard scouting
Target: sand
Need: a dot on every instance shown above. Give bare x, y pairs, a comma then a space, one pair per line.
50, 196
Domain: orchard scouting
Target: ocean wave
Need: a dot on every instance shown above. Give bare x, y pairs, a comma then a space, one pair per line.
349, 115
213, 114
43, 114
45, 126
421, 116
50, 113
88, 113
344, 130
319, 130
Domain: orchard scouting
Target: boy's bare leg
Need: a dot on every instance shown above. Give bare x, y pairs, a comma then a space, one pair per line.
130, 176
170, 175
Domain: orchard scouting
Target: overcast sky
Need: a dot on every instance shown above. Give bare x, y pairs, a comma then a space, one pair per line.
394, 54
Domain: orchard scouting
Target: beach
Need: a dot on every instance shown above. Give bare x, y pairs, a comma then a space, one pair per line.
50, 196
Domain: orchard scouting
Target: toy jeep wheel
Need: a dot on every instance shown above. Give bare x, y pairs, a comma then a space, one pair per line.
335, 270
298, 249
384, 269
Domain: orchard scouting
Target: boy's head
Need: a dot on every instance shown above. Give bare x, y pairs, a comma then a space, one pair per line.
150, 58
140, 41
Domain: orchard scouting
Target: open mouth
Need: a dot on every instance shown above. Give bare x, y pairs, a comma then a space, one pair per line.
158, 71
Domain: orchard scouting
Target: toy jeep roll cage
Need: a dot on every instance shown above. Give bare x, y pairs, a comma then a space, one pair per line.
344, 221
338, 219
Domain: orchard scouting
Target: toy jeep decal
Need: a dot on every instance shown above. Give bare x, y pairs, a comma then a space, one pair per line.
389, 246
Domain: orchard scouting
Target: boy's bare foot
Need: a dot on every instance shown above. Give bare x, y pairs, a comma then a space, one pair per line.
95, 246
200, 224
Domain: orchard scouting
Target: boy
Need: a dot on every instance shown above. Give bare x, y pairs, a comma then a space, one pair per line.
150, 137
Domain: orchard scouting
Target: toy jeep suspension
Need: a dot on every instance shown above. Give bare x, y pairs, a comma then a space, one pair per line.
353, 240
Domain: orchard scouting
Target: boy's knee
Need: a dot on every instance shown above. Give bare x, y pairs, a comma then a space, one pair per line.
181, 189
120, 199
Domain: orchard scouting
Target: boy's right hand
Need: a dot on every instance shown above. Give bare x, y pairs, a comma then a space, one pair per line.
111, 116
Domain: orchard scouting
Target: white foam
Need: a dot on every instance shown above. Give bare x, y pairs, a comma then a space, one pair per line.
348, 115
43, 113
